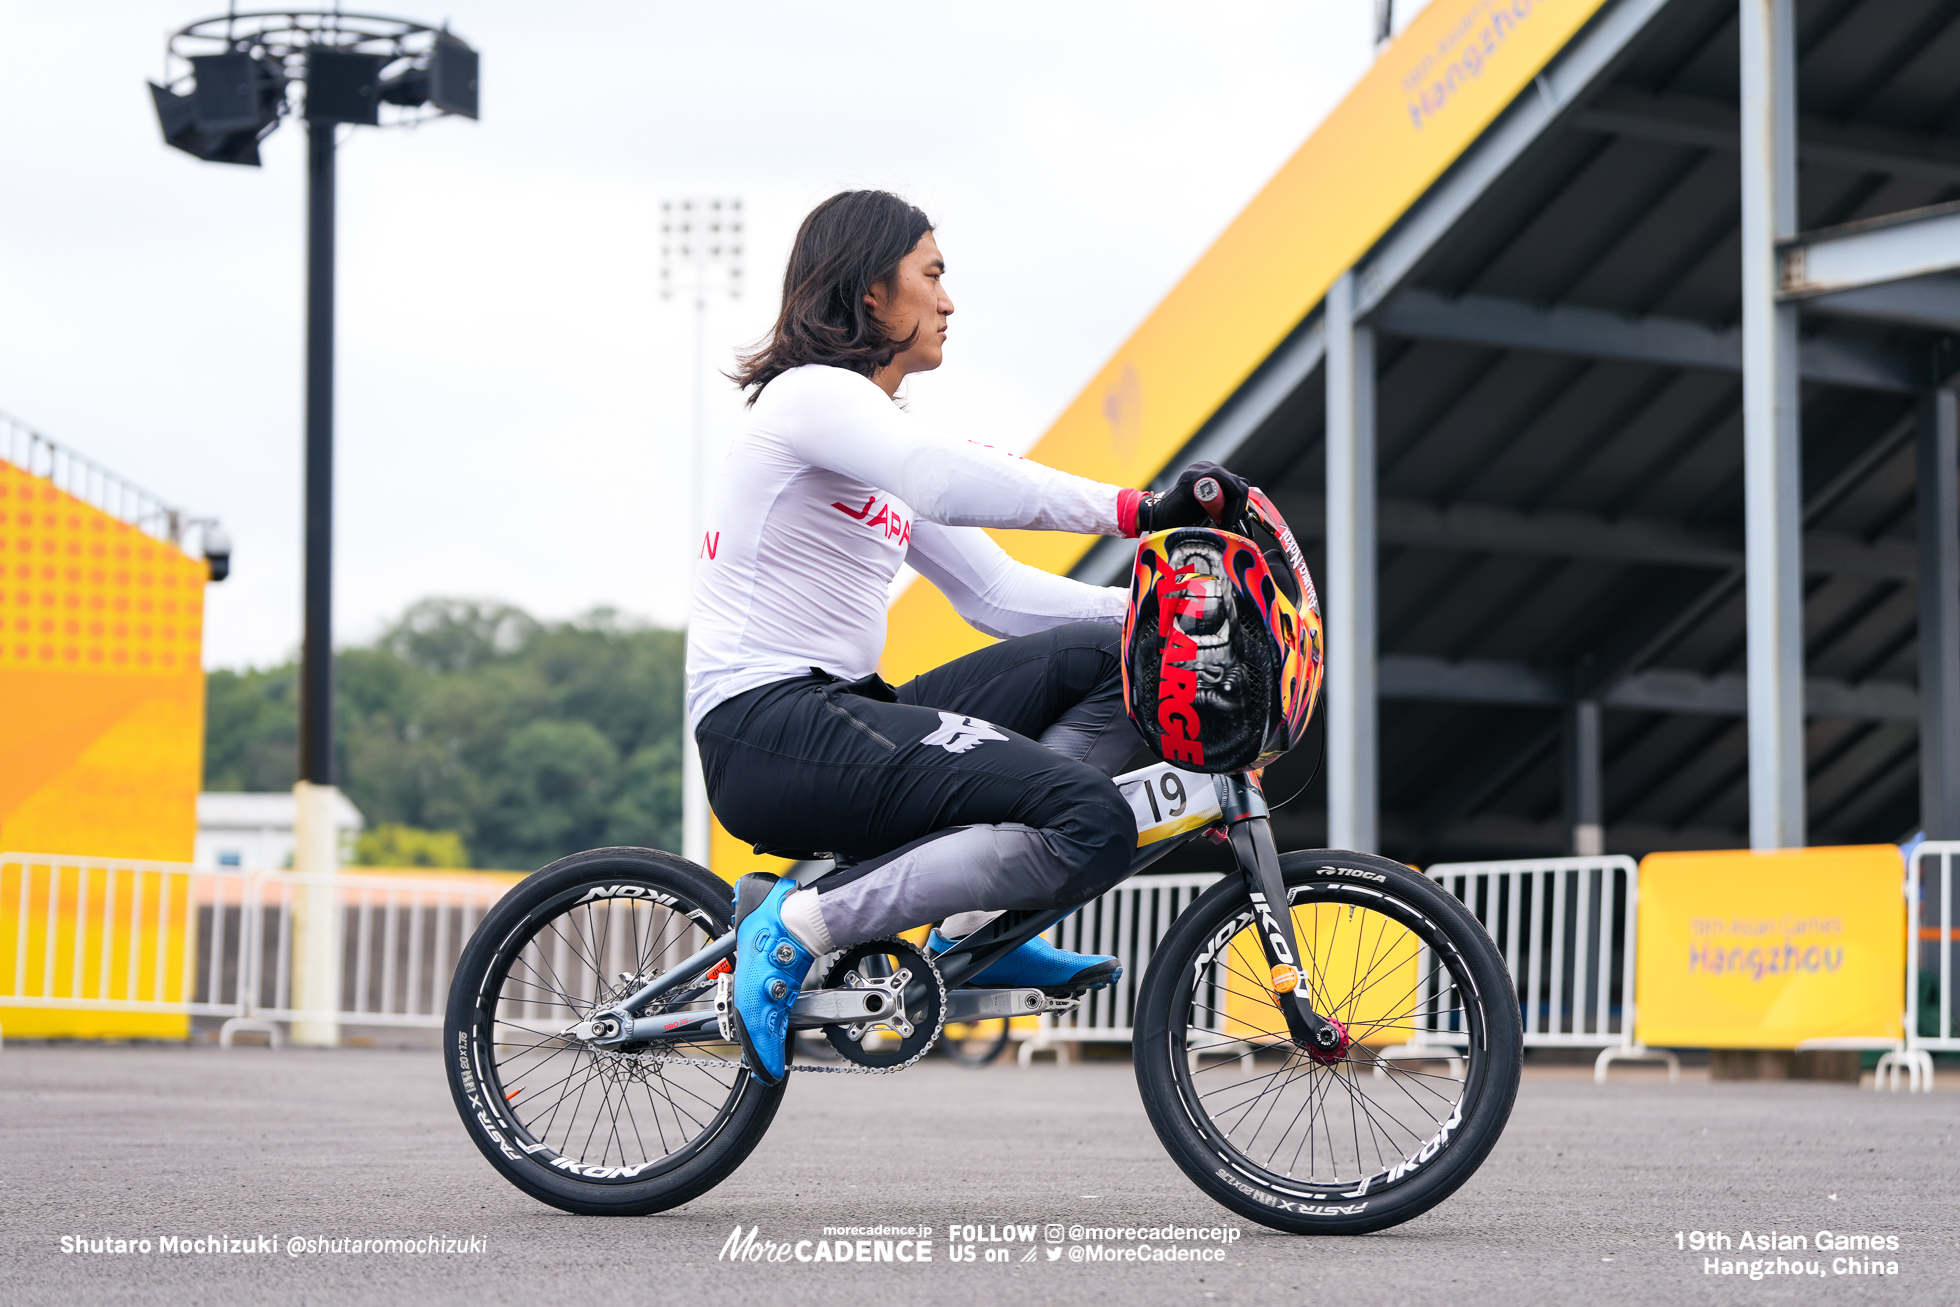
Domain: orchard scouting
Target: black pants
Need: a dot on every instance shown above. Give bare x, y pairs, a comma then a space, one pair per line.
981, 785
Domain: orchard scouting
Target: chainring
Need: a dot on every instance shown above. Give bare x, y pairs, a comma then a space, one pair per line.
917, 1018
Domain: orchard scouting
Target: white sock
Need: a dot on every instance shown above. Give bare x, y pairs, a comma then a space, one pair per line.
962, 924
804, 919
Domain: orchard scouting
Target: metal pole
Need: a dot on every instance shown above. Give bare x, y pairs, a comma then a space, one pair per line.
316, 852
1939, 615
1353, 820
1772, 490
1584, 779
697, 845
316, 649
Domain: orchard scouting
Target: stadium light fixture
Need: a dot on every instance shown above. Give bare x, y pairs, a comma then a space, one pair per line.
230, 82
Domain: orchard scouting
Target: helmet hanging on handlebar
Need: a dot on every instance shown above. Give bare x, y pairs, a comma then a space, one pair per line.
1222, 653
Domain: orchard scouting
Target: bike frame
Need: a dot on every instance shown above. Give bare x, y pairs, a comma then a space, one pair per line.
1244, 817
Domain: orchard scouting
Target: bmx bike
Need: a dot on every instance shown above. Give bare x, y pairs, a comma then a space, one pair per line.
1335, 1067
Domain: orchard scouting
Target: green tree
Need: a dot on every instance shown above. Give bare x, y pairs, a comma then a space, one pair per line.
394, 845
529, 740
251, 729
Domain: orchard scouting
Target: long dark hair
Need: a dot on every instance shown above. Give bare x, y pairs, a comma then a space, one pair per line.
849, 243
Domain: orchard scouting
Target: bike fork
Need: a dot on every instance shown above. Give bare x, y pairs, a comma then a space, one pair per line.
1251, 829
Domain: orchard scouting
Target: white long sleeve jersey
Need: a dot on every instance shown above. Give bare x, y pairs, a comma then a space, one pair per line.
832, 489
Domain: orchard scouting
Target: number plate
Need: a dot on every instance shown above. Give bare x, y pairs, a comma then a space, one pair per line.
1168, 801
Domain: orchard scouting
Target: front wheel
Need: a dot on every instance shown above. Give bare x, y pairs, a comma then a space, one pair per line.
1312, 1142
616, 1131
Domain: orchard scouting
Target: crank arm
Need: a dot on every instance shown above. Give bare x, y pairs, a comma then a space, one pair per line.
819, 1007
987, 1004
839, 1007
1252, 841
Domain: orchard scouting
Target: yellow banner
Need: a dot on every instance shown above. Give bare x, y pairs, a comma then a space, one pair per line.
94, 935
1765, 950
1425, 100
101, 751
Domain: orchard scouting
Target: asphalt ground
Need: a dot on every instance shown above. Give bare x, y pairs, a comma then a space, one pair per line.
1580, 1203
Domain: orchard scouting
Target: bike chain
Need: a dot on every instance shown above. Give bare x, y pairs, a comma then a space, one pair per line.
813, 1069
853, 1070
1064, 1005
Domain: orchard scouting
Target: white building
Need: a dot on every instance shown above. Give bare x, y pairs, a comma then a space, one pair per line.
255, 831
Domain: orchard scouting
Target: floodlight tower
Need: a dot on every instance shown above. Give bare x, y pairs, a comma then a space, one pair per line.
230, 82
700, 256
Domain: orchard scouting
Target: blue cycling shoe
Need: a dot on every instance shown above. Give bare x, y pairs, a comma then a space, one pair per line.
1038, 964
770, 964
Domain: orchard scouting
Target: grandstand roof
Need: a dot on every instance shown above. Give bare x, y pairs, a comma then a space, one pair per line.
1560, 442
1559, 430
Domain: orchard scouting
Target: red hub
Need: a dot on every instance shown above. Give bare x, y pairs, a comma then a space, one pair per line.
1338, 1053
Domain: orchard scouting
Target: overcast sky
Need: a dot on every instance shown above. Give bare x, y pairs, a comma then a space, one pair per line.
514, 398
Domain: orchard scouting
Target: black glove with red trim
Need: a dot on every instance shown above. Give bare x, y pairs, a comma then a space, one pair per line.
1204, 494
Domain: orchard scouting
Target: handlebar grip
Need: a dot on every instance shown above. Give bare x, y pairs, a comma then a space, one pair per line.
1212, 496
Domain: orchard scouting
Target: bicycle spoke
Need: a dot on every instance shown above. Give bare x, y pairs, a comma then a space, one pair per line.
585, 1070
654, 1107
537, 1095
1281, 1142
555, 987
600, 1106
1335, 1119
507, 1072
573, 948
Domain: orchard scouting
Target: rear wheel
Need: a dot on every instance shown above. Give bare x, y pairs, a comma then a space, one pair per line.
1368, 1136
606, 1132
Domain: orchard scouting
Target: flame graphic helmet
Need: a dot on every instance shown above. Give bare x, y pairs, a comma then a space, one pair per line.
1222, 652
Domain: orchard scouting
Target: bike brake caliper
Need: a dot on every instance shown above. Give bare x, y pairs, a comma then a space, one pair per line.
725, 1006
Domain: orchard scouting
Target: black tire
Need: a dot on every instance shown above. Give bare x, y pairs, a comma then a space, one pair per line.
1362, 1143
603, 1133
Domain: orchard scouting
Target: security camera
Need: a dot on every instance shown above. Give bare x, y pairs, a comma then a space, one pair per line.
217, 551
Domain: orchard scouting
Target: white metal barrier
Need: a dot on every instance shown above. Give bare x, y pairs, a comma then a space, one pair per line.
1931, 1019
126, 935
398, 942
1567, 930
1128, 922
120, 935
